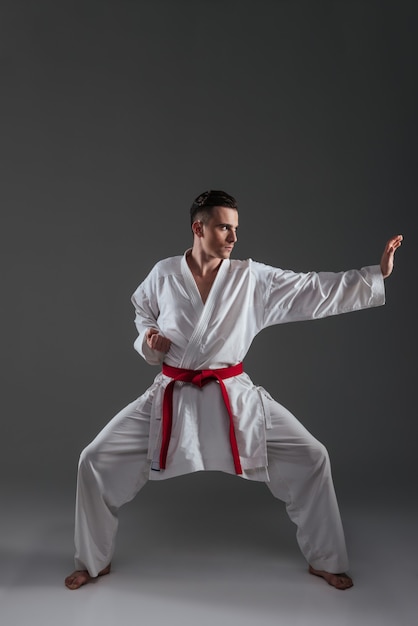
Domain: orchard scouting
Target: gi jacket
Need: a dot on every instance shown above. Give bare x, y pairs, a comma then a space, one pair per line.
245, 297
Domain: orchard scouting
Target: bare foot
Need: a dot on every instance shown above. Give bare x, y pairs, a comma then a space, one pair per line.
339, 581
81, 577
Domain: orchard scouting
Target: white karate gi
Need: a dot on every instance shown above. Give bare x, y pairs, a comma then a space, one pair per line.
274, 447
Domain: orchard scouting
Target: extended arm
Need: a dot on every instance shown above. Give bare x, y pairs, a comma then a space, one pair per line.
386, 262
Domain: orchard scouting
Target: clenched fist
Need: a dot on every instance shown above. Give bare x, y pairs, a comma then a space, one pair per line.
155, 341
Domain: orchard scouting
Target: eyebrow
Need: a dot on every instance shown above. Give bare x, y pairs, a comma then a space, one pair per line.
229, 225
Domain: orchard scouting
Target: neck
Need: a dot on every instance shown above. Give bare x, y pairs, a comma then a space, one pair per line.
200, 264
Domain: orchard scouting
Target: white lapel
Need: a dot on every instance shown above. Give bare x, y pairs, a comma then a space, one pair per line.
191, 286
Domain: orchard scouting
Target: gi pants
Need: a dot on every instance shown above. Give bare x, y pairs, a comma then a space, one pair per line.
115, 466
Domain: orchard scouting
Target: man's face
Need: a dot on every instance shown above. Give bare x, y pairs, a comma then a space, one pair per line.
219, 234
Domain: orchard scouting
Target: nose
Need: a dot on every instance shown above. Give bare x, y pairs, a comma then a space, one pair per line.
232, 236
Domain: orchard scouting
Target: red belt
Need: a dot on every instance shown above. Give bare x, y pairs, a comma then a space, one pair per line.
199, 378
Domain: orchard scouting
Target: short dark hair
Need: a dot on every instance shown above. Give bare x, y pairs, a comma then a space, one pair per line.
204, 204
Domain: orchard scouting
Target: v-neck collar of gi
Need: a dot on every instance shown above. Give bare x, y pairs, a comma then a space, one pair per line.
191, 285
204, 310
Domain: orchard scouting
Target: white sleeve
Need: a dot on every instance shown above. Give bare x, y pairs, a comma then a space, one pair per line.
146, 315
291, 296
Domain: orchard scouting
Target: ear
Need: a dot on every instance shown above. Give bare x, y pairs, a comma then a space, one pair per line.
197, 228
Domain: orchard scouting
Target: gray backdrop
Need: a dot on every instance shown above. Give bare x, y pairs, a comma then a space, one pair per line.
114, 116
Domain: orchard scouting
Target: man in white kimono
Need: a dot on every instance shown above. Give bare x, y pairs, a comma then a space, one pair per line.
196, 316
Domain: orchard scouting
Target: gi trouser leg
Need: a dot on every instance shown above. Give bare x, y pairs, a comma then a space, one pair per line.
112, 469
300, 475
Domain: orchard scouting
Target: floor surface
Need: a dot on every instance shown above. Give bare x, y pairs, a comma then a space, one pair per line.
209, 554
